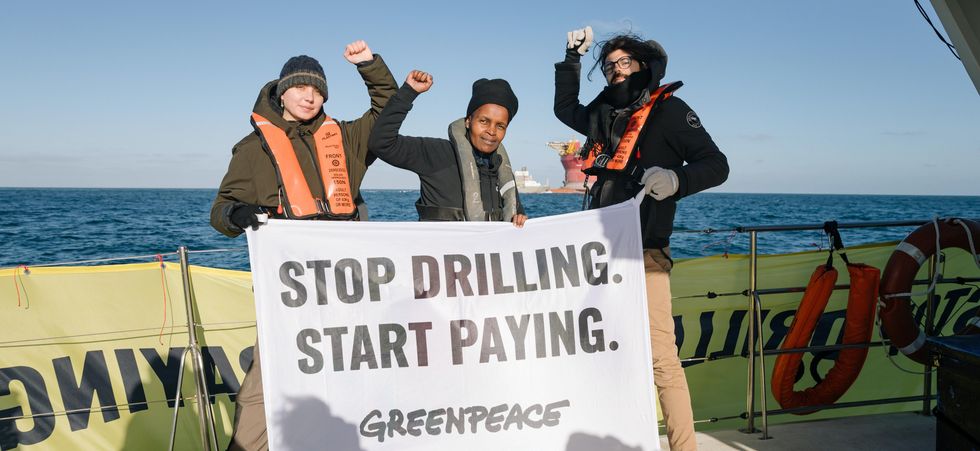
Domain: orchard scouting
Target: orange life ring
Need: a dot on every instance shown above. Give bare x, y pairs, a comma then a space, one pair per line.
858, 325
895, 308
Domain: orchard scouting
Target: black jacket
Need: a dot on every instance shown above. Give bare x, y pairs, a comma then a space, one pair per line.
433, 159
673, 138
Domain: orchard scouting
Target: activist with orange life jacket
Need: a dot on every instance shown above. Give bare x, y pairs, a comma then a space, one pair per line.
289, 108
298, 163
640, 136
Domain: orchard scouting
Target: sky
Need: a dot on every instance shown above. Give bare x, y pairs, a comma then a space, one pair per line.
802, 97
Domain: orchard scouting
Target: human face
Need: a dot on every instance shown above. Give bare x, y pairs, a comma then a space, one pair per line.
615, 66
487, 127
301, 103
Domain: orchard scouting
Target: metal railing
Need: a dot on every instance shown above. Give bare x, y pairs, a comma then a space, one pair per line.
205, 414
201, 397
757, 353
755, 350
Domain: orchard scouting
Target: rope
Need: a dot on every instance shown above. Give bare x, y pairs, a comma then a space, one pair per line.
127, 406
969, 238
889, 356
163, 288
727, 242
935, 277
212, 251
973, 250
43, 341
712, 295
941, 38
100, 260
16, 279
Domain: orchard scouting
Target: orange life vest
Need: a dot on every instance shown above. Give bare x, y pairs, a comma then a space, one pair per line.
594, 156
858, 325
332, 167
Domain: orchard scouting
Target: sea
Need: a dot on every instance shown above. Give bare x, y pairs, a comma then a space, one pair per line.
89, 226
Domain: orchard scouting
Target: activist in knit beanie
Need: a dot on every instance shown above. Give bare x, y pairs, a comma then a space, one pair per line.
302, 70
496, 91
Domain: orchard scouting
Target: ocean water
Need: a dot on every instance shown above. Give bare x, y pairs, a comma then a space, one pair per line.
47, 225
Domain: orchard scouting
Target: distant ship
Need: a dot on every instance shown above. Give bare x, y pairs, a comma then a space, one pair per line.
568, 151
527, 184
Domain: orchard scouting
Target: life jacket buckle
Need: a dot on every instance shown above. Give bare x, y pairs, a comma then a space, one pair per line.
321, 206
601, 160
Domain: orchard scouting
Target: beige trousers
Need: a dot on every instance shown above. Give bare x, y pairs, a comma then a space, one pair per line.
668, 375
249, 432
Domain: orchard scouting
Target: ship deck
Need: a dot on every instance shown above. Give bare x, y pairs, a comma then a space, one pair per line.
895, 431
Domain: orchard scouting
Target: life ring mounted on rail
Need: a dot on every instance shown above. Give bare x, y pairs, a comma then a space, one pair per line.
895, 305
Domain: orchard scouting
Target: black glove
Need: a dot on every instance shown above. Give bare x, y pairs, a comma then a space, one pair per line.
243, 216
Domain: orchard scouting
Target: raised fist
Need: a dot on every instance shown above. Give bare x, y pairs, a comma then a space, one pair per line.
358, 52
419, 81
580, 40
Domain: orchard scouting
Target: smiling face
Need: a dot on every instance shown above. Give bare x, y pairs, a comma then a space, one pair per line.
618, 65
487, 127
301, 103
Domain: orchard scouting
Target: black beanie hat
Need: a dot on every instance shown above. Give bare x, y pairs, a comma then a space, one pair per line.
302, 70
496, 91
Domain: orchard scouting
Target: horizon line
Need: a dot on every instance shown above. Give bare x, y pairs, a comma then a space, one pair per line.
416, 189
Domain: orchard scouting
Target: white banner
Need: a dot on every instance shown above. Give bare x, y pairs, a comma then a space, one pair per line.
455, 336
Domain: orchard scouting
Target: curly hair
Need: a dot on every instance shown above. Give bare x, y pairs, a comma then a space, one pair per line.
628, 42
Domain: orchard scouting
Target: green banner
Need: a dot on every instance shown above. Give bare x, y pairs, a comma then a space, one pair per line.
90, 356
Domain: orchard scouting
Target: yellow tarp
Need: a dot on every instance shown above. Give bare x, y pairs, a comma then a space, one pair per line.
76, 339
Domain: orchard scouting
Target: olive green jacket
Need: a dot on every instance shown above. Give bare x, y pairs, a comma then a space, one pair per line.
251, 176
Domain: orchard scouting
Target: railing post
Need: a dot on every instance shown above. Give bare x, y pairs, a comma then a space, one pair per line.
929, 329
209, 439
762, 370
750, 384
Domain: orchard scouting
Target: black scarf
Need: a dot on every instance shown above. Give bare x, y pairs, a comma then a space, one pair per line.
610, 102
624, 93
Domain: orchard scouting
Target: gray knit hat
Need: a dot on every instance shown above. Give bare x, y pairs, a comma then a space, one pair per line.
302, 70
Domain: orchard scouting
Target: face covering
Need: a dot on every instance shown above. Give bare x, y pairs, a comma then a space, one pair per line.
621, 95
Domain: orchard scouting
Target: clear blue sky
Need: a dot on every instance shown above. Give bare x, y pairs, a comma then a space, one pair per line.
809, 97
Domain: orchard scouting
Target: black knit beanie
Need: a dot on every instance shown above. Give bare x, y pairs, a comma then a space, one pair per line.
302, 70
496, 91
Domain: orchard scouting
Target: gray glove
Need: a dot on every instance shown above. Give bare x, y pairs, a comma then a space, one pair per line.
660, 183
580, 40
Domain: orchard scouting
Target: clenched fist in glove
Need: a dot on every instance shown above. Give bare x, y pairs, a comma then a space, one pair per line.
580, 40
243, 216
660, 183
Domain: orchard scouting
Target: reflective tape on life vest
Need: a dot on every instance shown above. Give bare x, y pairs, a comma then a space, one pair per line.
507, 187
330, 159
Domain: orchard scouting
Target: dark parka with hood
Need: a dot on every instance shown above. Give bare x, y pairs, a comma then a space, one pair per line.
673, 138
251, 176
